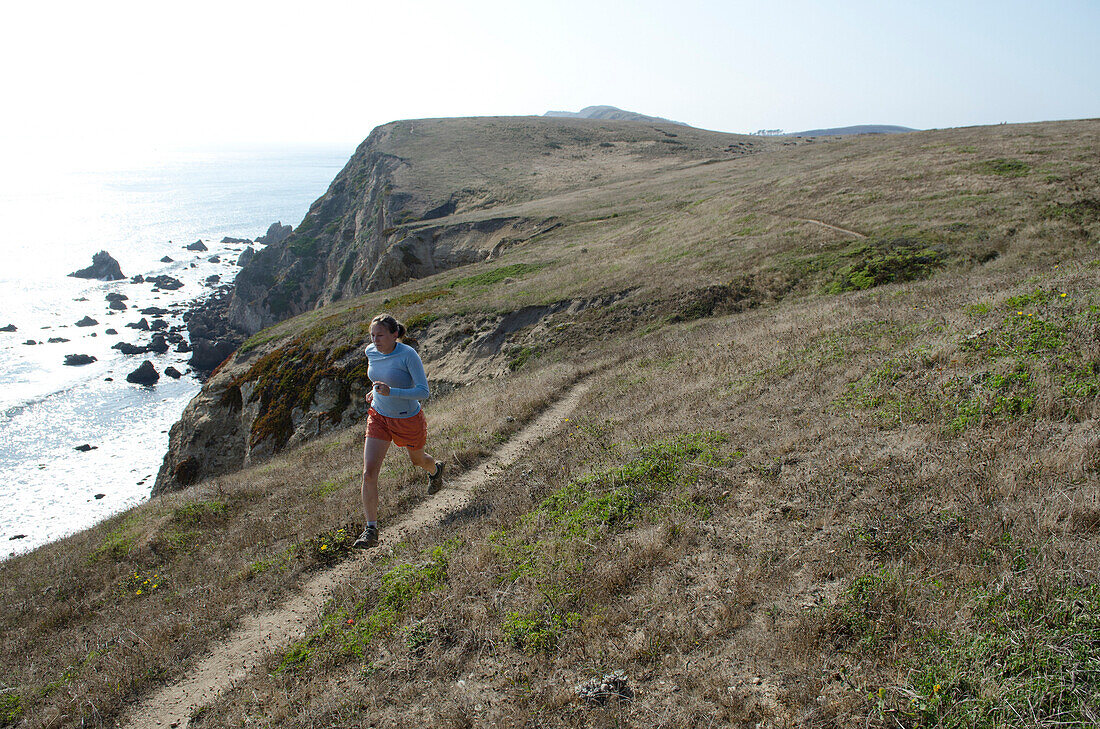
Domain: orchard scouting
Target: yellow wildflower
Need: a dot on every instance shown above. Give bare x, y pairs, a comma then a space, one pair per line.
138, 592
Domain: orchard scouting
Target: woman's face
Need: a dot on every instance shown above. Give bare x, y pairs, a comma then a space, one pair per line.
383, 339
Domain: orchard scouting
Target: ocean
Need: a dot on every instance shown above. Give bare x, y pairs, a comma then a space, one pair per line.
53, 223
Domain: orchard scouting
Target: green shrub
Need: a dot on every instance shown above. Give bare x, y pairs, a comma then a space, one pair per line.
537, 632
199, 513
891, 263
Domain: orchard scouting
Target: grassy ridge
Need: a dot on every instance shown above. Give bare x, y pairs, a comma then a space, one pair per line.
783, 500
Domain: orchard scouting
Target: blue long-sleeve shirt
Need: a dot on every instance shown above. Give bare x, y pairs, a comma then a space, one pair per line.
403, 371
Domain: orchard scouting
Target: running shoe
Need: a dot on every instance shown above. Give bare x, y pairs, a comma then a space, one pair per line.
368, 539
435, 480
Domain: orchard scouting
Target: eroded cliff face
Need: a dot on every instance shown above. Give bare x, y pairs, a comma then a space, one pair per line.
371, 230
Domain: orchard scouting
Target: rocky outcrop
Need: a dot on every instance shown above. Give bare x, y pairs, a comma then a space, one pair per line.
103, 268
146, 374
76, 360
212, 339
197, 246
9, 328
230, 423
276, 234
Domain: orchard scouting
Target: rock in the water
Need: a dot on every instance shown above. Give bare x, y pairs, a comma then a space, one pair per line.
127, 348
117, 306
197, 246
166, 259
165, 282
158, 324
154, 311
144, 375
214, 259
137, 279
9, 328
207, 355
115, 296
183, 347
85, 448
97, 497
111, 331
143, 324
158, 344
227, 240
17, 536
56, 340
87, 322
276, 233
173, 372
76, 360
30, 342
104, 268
246, 255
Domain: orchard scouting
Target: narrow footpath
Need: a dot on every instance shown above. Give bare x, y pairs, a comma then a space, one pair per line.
261, 635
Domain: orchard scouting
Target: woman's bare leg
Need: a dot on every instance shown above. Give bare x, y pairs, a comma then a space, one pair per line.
374, 451
422, 459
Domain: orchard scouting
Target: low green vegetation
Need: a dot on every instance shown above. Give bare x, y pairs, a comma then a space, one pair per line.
1024, 659
348, 631
1003, 167
488, 278
550, 549
11, 709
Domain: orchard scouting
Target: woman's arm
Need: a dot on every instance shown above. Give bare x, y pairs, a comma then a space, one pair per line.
419, 390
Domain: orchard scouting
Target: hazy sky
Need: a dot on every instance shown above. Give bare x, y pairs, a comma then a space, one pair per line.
111, 76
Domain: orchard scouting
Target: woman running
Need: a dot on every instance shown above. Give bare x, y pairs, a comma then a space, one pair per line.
394, 416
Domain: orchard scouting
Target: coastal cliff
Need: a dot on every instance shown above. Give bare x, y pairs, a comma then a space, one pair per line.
417, 199
424, 196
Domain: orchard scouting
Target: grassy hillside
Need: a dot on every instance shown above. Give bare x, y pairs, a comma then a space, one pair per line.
837, 467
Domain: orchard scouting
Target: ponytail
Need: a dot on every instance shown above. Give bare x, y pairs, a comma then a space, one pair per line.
388, 321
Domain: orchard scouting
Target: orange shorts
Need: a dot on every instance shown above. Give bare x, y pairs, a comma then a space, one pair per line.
404, 432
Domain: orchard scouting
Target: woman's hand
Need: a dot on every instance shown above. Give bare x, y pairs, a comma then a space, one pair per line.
382, 388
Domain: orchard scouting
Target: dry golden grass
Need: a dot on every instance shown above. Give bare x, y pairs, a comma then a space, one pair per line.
741, 610
901, 473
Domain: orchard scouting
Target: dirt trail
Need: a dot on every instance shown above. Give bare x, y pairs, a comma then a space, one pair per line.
832, 227
259, 635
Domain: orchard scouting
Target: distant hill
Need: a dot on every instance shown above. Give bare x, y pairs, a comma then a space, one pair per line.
610, 112
848, 131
